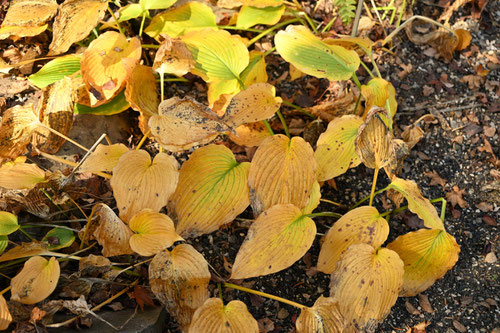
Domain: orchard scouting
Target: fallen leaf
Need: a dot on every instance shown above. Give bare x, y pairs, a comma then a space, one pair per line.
423, 300
412, 135
8, 223
250, 135
111, 233
141, 296
103, 158
5, 316
16, 128
435, 178
455, 197
25, 250
173, 57
18, 175
324, 316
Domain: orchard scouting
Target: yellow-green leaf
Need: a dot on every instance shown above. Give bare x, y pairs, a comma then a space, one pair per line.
314, 199
156, 4
214, 316
300, 47
427, 255
278, 238
417, 203
140, 183
55, 70
381, 93
111, 233
262, 3
36, 281
103, 158
153, 232
283, 170
366, 284
323, 317
360, 225
181, 20
335, 152
256, 69
129, 12
59, 238
8, 223
212, 191
4, 241
18, 176
116, 105
250, 16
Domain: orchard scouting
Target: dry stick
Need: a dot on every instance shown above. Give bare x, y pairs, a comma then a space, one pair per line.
87, 227
260, 293
359, 8
63, 136
70, 163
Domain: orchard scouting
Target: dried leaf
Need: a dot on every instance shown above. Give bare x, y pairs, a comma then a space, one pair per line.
112, 234
362, 225
279, 237
366, 284
335, 152
75, 21
179, 279
435, 178
94, 263
5, 316
427, 255
184, 123
282, 171
412, 135
324, 317
16, 128
27, 18
314, 199
455, 197
381, 93
103, 158
250, 135
141, 92
214, 316
25, 250
212, 191
140, 183
36, 281
142, 297
173, 57
153, 232
18, 175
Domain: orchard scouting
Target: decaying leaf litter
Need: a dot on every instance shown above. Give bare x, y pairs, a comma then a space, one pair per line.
455, 196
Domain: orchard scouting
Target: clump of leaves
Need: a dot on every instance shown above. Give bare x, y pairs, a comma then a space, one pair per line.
213, 186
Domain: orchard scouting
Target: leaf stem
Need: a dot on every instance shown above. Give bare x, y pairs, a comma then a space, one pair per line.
283, 122
63, 136
298, 108
5, 290
367, 197
116, 21
144, 137
306, 16
329, 25
266, 123
367, 69
142, 23
267, 31
73, 164
260, 293
150, 46
356, 80
355, 25
231, 27
326, 214
268, 52
374, 184
332, 202
24, 232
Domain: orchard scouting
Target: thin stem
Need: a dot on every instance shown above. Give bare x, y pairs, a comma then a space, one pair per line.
145, 136
306, 16
356, 80
150, 46
378, 17
325, 214
368, 197
5, 290
359, 8
268, 52
266, 123
70, 163
25, 233
403, 7
408, 21
329, 25
367, 69
374, 64
374, 184
87, 227
176, 79
283, 122
230, 27
358, 101
116, 21
48, 225
142, 23
162, 82
332, 202
267, 31
219, 286
63, 136
108, 140
260, 293
298, 108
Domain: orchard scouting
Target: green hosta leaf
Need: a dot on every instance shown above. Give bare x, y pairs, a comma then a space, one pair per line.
8, 223
59, 238
177, 22
156, 4
4, 241
250, 16
116, 105
300, 47
55, 70
129, 12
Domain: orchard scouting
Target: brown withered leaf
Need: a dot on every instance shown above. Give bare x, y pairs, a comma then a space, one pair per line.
5, 316
435, 178
112, 234
324, 316
412, 135
399, 153
55, 110
93, 264
27, 17
75, 20
184, 123
16, 129
173, 57
179, 279
455, 197
250, 135
340, 100
25, 250
102, 68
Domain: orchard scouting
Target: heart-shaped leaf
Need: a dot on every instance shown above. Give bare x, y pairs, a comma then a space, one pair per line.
278, 238
114, 106
140, 183
111, 233
36, 281
360, 225
366, 284
153, 232
25, 250
427, 255
56, 70
282, 171
381, 93
335, 152
8, 223
300, 47
256, 69
324, 316
103, 158
212, 191
250, 16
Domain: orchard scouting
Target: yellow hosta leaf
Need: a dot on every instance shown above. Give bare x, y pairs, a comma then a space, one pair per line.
335, 152
104, 158
184, 123
255, 103
141, 91
27, 17
181, 20
366, 284
220, 91
55, 110
250, 135
214, 316
300, 47
153, 232
75, 21
381, 93
262, 3
427, 255
360, 225
212, 191
8, 223
359, 44
36, 281
94, 263
324, 317
256, 69
111, 233
179, 279
417, 203
173, 57
17, 176
25, 250
19, 31
282, 171
295, 73
16, 128
5, 316
374, 141
140, 183
250, 16
278, 238
314, 199
103, 71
